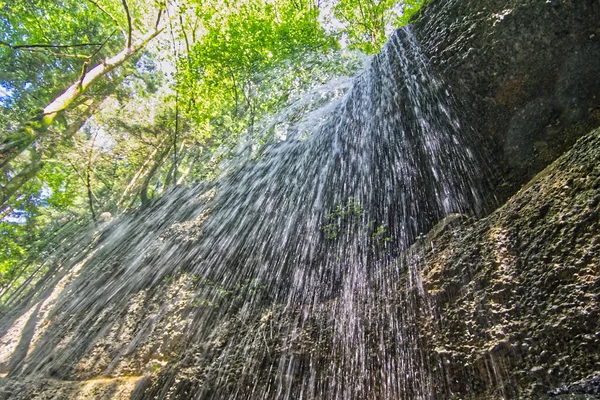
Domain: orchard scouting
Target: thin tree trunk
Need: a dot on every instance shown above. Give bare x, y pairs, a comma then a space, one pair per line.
14, 144
176, 52
175, 136
88, 178
155, 167
139, 174
170, 173
32, 169
169, 176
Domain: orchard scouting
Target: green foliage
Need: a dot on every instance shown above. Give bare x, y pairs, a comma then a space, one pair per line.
255, 35
12, 241
207, 87
411, 8
344, 217
32, 76
348, 221
380, 234
246, 63
368, 23
365, 22
59, 185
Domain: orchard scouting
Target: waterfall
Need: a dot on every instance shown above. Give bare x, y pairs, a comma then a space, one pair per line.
286, 278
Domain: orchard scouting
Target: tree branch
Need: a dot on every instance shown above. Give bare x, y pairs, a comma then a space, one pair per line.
160, 11
109, 15
14, 144
55, 46
86, 64
129, 28
42, 49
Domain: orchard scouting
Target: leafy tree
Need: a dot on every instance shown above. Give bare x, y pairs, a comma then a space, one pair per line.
18, 140
252, 58
44, 46
96, 115
368, 23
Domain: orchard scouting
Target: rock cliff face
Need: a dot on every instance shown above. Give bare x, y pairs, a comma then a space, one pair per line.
526, 72
513, 298
501, 307
508, 308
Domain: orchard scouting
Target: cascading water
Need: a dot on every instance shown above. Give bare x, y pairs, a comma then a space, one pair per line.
285, 279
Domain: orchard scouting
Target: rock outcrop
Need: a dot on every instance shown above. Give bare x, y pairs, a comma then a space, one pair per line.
509, 308
513, 307
526, 72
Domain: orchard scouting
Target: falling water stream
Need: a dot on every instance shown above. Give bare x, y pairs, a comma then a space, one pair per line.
287, 277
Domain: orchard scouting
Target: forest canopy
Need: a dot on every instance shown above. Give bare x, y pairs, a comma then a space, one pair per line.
105, 104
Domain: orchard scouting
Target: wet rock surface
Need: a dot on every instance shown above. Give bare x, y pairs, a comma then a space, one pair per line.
514, 297
586, 388
509, 309
526, 72
42, 389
